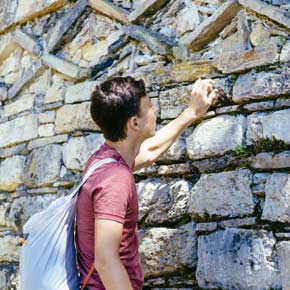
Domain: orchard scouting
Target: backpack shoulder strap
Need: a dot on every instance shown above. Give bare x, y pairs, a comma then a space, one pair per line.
91, 169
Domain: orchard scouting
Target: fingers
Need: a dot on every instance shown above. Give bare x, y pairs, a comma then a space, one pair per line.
213, 96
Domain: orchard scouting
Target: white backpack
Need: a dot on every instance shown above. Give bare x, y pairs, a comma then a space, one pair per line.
48, 255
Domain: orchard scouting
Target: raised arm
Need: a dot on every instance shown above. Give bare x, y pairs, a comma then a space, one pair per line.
202, 97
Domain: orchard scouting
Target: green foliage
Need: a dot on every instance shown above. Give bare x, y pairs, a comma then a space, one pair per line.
267, 144
240, 150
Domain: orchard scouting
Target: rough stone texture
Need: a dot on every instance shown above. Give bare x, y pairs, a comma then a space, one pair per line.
268, 125
9, 278
77, 150
8, 9
230, 196
206, 227
41, 170
237, 259
23, 104
45, 141
283, 249
266, 160
273, 13
18, 130
175, 169
30, 9
233, 62
74, 117
166, 251
79, 92
210, 27
285, 53
261, 85
235, 223
277, 200
47, 117
9, 249
208, 138
46, 130
162, 201
12, 173
24, 207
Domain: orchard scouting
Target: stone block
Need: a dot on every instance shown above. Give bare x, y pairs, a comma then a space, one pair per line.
77, 150
12, 173
18, 130
43, 166
8, 9
283, 249
24, 207
268, 125
79, 92
276, 207
23, 104
270, 160
163, 201
74, 117
46, 117
230, 196
45, 141
166, 251
9, 249
208, 138
285, 53
46, 130
261, 85
237, 259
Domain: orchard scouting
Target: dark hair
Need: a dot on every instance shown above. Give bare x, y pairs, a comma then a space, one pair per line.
115, 101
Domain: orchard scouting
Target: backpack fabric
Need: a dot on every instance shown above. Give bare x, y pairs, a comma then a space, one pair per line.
48, 255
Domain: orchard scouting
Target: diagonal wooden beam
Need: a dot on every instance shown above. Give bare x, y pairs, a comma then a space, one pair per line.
274, 13
64, 24
27, 75
27, 42
145, 8
109, 9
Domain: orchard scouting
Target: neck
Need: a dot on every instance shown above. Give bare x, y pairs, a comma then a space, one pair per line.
128, 149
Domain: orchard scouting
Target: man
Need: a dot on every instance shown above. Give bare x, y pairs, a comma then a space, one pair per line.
107, 206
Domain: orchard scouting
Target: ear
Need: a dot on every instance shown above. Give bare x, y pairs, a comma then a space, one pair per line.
133, 123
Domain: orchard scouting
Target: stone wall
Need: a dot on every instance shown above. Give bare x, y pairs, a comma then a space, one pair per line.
215, 209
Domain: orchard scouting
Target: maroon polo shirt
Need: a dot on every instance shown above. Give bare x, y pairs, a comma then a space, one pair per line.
110, 193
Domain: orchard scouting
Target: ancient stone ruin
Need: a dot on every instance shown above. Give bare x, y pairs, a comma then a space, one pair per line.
215, 209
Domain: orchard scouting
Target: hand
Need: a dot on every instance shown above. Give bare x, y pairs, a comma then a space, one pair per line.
202, 96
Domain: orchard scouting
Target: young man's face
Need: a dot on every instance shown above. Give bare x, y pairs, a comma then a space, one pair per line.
148, 117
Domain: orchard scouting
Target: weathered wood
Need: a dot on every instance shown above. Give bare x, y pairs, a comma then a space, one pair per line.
232, 62
158, 42
25, 78
145, 8
109, 9
64, 24
27, 42
274, 13
210, 27
67, 68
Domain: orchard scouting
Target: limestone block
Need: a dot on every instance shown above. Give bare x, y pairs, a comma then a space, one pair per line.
283, 249
74, 117
14, 150
269, 125
277, 200
226, 194
9, 277
4, 207
46, 130
8, 9
93, 53
43, 166
30, 9
262, 55
285, 53
24, 103
12, 173
166, 251
208, 138
145, 8
9, 249
9, 65
24, 207
18, 130
54, 93
211, 26
175, 169
45, 141
162, 201
235, 223
237, 259
77, 150
46, 117
79, 92
261, 85
269, 160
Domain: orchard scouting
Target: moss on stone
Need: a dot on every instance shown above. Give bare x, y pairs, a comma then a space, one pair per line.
270, 145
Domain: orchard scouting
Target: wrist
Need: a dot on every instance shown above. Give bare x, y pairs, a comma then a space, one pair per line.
190, 115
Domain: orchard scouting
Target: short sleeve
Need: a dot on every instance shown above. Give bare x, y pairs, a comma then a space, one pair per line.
112, 198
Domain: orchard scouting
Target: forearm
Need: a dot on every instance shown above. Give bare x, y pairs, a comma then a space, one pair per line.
165, 137
113, 274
